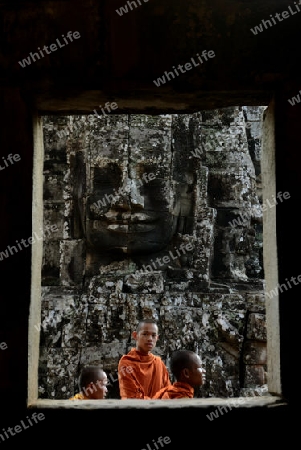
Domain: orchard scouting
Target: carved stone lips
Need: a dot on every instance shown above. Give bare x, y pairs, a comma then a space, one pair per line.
128, 217
127, 221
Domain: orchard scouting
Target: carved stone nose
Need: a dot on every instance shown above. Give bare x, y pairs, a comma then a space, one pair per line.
136, 198
129, 196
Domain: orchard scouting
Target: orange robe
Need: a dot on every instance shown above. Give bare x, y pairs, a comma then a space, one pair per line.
79, 396
176, 390
141, 376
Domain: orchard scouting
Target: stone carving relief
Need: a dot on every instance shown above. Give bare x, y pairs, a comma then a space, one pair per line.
158, 216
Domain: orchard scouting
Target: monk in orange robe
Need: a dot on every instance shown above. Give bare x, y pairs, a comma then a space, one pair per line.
141, 373
186, 367
92, 384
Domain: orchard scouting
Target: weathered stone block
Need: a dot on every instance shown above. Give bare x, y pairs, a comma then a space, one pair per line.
255, 353
145, 281
72, 262
256, 327
255, 375
61, 380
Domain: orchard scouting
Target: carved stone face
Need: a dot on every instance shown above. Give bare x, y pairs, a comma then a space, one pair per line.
133, 207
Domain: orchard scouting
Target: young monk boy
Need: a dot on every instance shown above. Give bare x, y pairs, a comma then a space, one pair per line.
92, 384
186, 367
141, 373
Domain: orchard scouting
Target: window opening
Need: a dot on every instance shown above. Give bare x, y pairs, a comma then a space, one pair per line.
151, 216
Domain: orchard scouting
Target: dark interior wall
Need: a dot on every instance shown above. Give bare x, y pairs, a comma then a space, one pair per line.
288, 164
16, 198
117, 58
120, 56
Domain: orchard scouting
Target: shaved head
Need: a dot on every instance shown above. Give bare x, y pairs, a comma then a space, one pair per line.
145, 321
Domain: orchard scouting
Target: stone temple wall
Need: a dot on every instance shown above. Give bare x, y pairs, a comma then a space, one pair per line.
155, 216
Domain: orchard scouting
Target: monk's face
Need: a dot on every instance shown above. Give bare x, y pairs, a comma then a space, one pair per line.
196, 373
146, 338
98, 390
